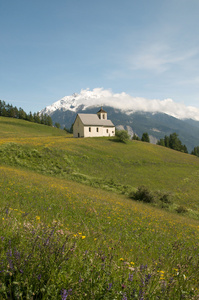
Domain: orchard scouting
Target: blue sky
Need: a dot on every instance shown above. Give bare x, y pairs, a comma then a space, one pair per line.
51, 49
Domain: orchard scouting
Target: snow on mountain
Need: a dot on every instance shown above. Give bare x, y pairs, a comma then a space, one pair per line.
128, 104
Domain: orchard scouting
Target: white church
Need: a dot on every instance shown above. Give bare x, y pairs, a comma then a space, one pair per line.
93, 125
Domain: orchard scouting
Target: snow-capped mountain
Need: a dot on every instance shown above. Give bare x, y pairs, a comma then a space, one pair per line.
137, 115
122, 101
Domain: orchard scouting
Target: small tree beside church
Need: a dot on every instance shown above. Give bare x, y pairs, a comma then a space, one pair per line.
122, 135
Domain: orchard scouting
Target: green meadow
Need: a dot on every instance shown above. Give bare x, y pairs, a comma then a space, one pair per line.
70, 230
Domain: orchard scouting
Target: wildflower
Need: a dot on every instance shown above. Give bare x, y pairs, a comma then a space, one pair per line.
83, 237
124, 297
147, 278
121, 259
80, 279
65, 293
130, 277
38, 218
110, 286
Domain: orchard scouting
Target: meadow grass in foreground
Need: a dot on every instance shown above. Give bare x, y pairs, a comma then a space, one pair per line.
63, 240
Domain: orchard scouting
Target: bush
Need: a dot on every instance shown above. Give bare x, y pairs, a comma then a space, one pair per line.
165, 198
181, 209
142, 194
122, 135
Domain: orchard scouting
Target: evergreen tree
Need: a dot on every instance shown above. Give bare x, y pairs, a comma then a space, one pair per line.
161, 142
30, 117
145, 137
166, 141
57, 125
195, 151
21, 114
49, 121
135, 137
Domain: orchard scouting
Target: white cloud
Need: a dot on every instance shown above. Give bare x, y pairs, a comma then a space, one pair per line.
159, 57
102, 97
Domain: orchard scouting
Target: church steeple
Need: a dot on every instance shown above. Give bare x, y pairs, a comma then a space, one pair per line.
102, 114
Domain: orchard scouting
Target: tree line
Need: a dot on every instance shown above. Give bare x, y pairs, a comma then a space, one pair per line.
7, 110
172, 141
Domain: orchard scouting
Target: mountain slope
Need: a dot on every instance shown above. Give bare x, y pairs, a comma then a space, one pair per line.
130, 117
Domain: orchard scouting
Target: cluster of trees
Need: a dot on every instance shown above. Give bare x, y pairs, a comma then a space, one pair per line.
172, 141
195, 151
7, 110
144, 138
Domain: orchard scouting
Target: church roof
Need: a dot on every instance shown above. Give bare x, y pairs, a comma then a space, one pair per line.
101, 111
93, 120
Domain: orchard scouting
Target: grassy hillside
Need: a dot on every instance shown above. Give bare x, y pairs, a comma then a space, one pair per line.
14, 128
61, 239
102, 162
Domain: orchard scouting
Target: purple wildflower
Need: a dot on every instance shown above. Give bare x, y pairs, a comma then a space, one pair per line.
65, 293
124, 297
110, 286
80, 279
147, 278
143, 267
39, 277
130, 277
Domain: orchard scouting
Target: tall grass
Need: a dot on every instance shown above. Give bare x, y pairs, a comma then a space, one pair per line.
61, 239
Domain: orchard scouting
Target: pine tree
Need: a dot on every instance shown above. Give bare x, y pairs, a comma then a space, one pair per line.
145, 137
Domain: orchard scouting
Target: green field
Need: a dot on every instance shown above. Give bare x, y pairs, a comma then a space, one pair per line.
69, 229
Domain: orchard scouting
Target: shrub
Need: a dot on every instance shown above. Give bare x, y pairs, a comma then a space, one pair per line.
165, 198
122, 135
181, 209
142, 194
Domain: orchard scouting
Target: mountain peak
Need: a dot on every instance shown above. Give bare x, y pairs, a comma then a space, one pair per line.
100, 97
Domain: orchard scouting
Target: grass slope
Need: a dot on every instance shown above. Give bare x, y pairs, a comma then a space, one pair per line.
103, 162
14, 128
61, 239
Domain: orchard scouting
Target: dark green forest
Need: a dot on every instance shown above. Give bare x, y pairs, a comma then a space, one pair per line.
7, 110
